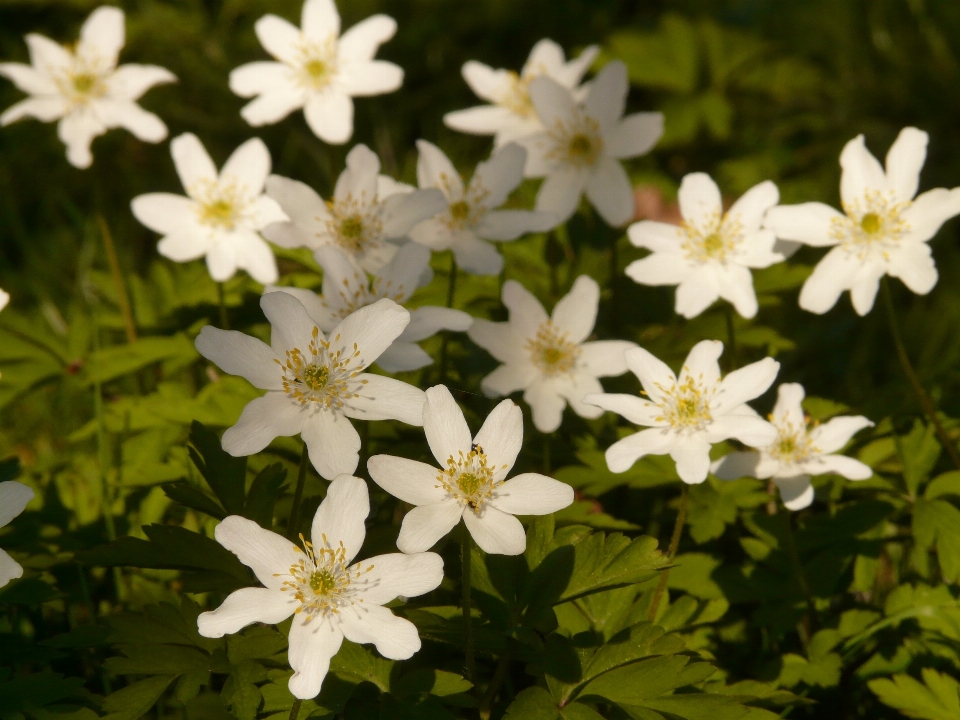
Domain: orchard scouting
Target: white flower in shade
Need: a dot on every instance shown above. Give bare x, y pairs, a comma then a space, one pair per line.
547, 356
346, 289
330, 598
471, 481
511, 113
4, 299
315, 381
710, 255
317, 70
14, 497
367, 211
580, 147
800, 450
222, 215
82, 87
884, 230
689, 413
471, 218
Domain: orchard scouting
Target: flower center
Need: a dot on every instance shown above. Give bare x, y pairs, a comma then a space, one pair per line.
352, 228
355, 225
84, 83
321, 376
578, 143
219, 213
792, 445
517, 97
870, 223
317, 62
686, 406
469, 478
321, 581
713, 241
551, 350
460, 211
873, 225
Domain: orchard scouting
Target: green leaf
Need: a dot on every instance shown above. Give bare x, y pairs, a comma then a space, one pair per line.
114, 362
634, 683
534, 703
157, 660
357, 664
667, 58
135, 700
937, 523
226, 475
937, 698
37, 690
184, 493
267, 486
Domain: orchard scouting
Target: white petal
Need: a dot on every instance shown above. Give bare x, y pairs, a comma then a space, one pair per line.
102, 34
401, 276
660, 268
264, 552
656, 236
184, 246
397, 575
789, 408
501, 437
745, 384
257, 78
552, 101
221, 259
4, 299
403, 357
10, 569
340, 517
634, 135
244, 607
861, 172
701, 363
607, 97
44, 109
624, 453
132, 81
312, 644
913, 264
77, 130
532, 494
487, 83
330, 116
560, 193
298, 200
749, 429
864, 287
929, 211
46, 55
423, 526
480, 120
650, 371
839, 464
28, 79
193, 164
411, 481
243, 355
274, 105
426, 322
576, 312
496, 532
832, 275
268, 417
313, 304
333, 443
508, 378
610, 191
127, 114
736, 465
394, 637
266, 211
404, 210
736, 287
384, 398
511, 224
698, 291
361, 42
753, 205
476, 256
371, 329
444, 425
835, 433
248, 167
700, 201
692, 456
526, 312
547, 403
809, 223
320, 19
605, 358
571, 73
255, 256
291, 326
580, 385
501, 174
168, 213
14, 497
635, 409
904, 161
499, 340
278, 37
375, 77
434, 170
796, 492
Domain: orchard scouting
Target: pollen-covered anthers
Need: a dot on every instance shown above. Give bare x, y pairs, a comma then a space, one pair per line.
516, 98
686, 405
714, 240
220, 205
468, 209
321, 376
793, 444
351, 300
355, 223
317, 62
321, 581
551, 350
872, 226
84, 79
469, 479
578, 143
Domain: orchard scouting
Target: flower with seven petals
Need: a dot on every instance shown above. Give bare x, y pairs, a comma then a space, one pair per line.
317, 69
471, 481
14, 497
580, 147
547, 356
315, 381
346, 289
883, 229
710, 255
82, 87
329, 598
511, 113
800, 450
689, 413
223, 213
367, 211
471, 217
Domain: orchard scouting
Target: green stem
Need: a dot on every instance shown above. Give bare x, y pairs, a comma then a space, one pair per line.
123, 298
672, 550
465, 575
451, 291
294, 520
224, 316
295, 710
794, 554
925, 402
499, 674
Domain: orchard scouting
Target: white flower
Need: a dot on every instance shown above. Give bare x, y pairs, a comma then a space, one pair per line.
82, 87
329, 598
471, 217
4, 298
800, 450
580, 148
511, 114
710, 255
318, 70
688, 414
884, 231
14, 497
471, 481
314, 381
367, 211
346, 289
547, 357
223, 214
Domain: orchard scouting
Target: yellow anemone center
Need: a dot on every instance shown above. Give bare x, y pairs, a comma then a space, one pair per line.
219, 212
581, 145
322, 582
460, 211
870, 223
315, 68
352, 227
84, 83
469, 483
713, 244
315, 377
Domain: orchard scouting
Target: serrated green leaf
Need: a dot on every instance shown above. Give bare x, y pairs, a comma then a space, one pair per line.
225, 474
634, 683
937, 698
135, 700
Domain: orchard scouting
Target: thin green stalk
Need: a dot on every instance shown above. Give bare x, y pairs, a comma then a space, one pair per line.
451, 291
295, 710
791, 548
499, 675
123, 298
294, 520
224, 315
465, 575
925, 402
671, 551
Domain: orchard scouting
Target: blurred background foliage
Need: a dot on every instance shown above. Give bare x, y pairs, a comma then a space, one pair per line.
751, 90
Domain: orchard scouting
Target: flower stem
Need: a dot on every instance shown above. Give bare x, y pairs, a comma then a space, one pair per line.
224, 316
499, 674
925, 402
451, 291
671, 551
295, 710
123, 298
465, 575
791, 548
294, 520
